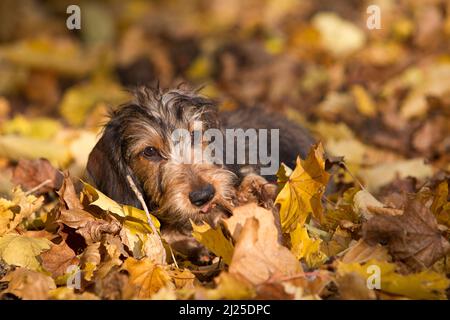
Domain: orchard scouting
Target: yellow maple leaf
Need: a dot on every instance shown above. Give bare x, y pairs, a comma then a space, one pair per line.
303, 192
214, 240
22, 251
305, 247
423, 285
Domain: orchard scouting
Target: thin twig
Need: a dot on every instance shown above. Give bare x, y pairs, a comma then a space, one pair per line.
173, 256
42, 184
149, 219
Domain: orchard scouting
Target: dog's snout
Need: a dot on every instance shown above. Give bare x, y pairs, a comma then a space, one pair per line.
203, 195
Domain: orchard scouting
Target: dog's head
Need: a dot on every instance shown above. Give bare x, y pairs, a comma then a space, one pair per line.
139, 141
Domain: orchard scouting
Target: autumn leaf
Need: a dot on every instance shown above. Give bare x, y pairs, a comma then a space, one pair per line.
440, 206
58, 259
423, 285
302, 194
361, 252
352, 286
365, 205
65, 293
146, 278
88, 226
343, 211
114, 250
69, 195
90, 259
17, 147
100, 200
412, 237
306, 248
32, 173
257, 255
283, 175
214, 240
22, 251
29, 284
13, 212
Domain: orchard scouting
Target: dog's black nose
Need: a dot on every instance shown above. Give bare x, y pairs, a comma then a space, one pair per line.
203, 195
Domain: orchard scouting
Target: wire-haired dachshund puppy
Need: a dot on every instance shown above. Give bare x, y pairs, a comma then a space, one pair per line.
138, 141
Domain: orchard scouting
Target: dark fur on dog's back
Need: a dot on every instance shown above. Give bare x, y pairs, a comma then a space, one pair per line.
294, 140
136, 142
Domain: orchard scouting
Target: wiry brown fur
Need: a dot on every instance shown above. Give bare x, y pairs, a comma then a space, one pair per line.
166, 183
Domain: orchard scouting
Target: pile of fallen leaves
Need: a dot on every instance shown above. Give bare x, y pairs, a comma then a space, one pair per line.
73, 242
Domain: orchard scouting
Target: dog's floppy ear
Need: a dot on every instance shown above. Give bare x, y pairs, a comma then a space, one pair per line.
107, 170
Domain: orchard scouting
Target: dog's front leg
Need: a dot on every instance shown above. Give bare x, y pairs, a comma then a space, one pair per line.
254, 188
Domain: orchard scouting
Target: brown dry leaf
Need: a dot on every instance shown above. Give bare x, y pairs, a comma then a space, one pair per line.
112, 285
268, 225
31, 173
412, 237
90, 260
344, 210
138, 237
340, 241
366, 205
13, 212
28, 284
362, 201
146, 277
257, 255
114, 249
89, 227
68, 194
307, 248
58, 259
183, 279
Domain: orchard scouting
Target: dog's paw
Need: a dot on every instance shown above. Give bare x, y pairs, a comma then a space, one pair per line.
255, 188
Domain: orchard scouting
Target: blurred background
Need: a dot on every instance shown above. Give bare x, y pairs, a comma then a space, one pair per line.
378, 97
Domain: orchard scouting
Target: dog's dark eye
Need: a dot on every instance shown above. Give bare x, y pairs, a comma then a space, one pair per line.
151, 152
